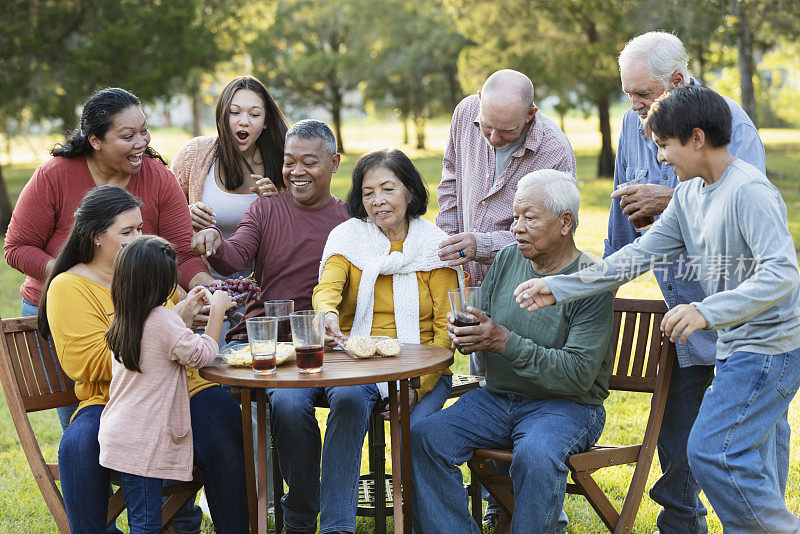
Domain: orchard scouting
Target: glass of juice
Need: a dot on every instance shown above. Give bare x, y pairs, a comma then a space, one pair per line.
459, 300
308, 337
262, 333
281, 309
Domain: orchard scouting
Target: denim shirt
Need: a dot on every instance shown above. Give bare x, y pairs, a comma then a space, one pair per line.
637, 157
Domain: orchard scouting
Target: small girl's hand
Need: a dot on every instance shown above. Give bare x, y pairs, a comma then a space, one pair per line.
221, 302
189, 307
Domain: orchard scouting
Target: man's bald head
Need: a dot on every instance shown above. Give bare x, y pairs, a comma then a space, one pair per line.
506, 107
511, 86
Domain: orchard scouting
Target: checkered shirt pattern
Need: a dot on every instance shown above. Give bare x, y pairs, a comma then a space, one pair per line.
470, 157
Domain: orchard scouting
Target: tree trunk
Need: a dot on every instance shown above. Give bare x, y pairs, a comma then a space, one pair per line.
746, 66
5, 205
197, 113
419, 128
404, 118
453, 87
605, 163
336, 114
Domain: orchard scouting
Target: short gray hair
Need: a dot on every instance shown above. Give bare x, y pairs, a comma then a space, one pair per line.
561, 192
662, 52
314, 129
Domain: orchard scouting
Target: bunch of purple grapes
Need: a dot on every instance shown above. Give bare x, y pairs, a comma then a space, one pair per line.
238, 288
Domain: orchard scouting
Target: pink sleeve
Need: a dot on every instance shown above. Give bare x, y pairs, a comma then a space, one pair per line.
32, 225
193, 350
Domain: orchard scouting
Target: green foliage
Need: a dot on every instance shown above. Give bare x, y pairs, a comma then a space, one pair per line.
315, 52
413, 61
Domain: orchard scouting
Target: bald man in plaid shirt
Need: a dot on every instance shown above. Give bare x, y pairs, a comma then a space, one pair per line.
496, 137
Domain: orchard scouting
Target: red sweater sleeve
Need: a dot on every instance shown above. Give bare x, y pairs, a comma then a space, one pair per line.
32, 224
175, 225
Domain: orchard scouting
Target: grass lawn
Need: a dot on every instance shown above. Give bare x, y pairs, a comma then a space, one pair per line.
21, 506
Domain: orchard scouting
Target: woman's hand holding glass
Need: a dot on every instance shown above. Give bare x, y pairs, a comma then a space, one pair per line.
332, 330
486, 335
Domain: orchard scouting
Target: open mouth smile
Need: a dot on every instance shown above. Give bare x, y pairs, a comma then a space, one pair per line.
136, 159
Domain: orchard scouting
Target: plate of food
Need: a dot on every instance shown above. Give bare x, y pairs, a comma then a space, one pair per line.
369, 346
238, 355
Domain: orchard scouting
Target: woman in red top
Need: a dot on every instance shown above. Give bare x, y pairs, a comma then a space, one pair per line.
111, 147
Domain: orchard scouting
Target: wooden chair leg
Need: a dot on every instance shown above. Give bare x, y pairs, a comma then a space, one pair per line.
277, 479
116, 504
475, 497
597, 499
503, 525
377, 453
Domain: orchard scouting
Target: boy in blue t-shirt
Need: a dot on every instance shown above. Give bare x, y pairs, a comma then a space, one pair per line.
732, 224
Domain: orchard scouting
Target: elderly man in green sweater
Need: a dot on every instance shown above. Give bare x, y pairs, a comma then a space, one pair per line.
546, 374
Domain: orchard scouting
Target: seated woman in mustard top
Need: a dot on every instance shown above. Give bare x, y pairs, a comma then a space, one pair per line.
381, 273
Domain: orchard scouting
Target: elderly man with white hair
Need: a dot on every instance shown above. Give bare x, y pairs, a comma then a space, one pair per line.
546, 375
650, 64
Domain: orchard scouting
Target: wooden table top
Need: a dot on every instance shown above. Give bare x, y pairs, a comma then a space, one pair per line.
338, 369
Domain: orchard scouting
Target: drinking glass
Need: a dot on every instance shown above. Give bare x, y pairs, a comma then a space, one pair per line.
281, 309
262, 334
308, 336
459, 300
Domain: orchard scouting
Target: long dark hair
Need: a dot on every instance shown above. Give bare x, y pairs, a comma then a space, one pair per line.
269, 144
98, 210
97, 118
145, 275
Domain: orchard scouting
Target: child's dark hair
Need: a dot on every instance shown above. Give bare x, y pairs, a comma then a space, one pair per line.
679, 111
145, 275
97, 212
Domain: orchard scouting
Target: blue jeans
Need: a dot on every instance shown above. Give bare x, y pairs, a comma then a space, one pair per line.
733, 449
143, 501
676, 490
297, 433
29, 309
295, 428
217, 434
542, 433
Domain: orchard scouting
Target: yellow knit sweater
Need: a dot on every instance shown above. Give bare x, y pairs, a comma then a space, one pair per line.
337, 292
79, 311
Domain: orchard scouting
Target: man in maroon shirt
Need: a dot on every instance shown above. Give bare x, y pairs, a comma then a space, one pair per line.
284, 235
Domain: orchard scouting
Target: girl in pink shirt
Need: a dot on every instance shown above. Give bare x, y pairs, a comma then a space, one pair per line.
145, 429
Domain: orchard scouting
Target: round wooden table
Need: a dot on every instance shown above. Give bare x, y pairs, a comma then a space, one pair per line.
338, 369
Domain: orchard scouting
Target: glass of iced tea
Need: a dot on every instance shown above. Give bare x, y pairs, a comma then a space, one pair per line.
281, 309
308, 336
262, 334
459, 300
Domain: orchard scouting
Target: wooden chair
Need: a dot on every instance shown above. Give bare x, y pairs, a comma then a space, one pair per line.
643, 359
33, 380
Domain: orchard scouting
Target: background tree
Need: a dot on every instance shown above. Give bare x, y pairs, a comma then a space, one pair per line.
568, 47
414, 61
316, 52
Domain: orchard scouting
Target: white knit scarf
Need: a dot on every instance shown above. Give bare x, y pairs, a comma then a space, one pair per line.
364, 245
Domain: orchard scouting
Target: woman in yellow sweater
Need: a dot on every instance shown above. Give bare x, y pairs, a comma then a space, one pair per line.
75, 311
380, 271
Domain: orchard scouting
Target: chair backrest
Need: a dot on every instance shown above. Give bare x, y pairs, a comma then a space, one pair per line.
638, 345
33, 380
